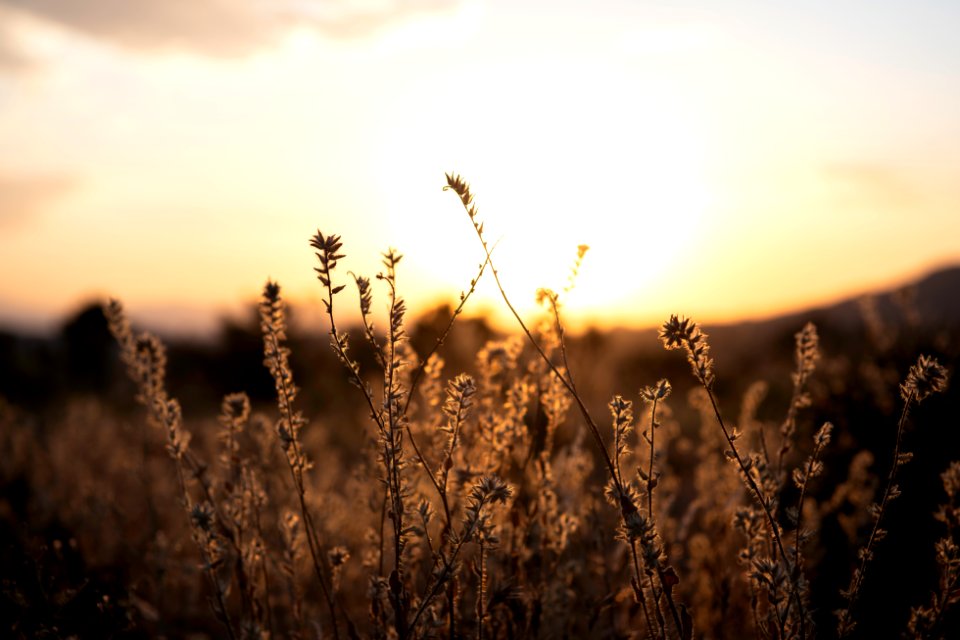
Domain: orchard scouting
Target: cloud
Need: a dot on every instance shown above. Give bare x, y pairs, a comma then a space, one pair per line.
12, 57
359, 18
23, 198
210, 26
872, 184
222, 28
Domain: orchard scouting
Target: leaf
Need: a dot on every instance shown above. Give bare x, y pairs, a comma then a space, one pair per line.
792, 514
670, 578
637, 593
395, 586
798, 477
686, 623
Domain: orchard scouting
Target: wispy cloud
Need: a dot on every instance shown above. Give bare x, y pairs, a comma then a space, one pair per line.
12, 58
359, 18
23, 198
872, 184
222, 28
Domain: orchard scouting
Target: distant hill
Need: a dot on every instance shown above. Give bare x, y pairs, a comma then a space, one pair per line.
933, 302
80, 355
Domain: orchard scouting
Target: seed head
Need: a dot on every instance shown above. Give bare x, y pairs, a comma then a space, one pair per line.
236, 407
202, 515
677, 332
658, 391
683, 333
925, 377
338, 556
807, 352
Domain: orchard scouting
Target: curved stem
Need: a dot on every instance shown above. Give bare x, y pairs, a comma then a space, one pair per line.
594, 430
443, 336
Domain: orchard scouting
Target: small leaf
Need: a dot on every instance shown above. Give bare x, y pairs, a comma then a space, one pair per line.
637, 593
686, 623
798, 477
792, 514
670, 578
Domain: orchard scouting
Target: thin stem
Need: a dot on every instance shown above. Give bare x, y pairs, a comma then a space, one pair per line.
626, 507
447, 567
789, 426
349, 364
758, 494
418, 374
561, 340
650, 481
391, 460
811, 463
481, 594
433, 478
661, 624
763, 443
867, 553
265, 573
594, 430
383, 518
208, 569
941, 604
451, 608
667, 592
295, 462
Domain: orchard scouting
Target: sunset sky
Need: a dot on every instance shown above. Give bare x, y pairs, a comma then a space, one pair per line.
722, 160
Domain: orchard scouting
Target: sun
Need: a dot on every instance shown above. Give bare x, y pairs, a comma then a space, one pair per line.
618, 171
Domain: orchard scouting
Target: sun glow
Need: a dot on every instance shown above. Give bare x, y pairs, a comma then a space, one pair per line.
619, 168
700, 174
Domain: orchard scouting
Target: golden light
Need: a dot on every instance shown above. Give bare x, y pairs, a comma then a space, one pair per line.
578, 157
692, 167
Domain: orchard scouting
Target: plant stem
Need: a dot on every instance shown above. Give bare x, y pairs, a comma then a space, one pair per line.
867, 553
758, 494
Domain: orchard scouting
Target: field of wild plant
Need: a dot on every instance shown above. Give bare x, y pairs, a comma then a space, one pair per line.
457, 483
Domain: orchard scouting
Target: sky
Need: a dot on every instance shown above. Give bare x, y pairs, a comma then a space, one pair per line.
722, 160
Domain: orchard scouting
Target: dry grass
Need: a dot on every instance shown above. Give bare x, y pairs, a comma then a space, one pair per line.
492, 503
